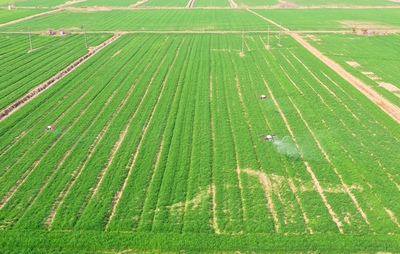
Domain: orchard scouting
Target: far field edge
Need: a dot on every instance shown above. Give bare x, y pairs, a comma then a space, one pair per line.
96, 240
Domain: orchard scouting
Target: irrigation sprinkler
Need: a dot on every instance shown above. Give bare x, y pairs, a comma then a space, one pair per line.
30, 38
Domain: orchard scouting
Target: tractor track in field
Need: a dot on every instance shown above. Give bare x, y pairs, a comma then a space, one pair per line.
48, 83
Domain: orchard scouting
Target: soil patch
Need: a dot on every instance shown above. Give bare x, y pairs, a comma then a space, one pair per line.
353, 64
389, 87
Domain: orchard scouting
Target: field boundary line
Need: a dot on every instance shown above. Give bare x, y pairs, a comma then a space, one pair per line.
48, 83
118, 194
388, 107
269, 20
30, 17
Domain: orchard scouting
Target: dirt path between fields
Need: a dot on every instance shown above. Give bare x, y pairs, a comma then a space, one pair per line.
190, 4
138, 4
46, 84
30, 17
391, 109
233, 4
69, 3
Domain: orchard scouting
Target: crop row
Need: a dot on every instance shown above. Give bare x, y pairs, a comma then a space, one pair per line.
163, 133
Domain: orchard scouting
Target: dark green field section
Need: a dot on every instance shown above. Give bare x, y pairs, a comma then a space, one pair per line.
128, 242
146, 20
158, 146
334, 19
7, 16
374, 59
23, 69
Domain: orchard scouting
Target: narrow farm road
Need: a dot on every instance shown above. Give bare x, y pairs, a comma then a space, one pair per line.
391, 109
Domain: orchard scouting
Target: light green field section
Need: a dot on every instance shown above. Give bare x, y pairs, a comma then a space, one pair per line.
39, 3
334, 19
165, 3
373, 59
146, 20
158, 146
252, 3
211, 3
89, 3
7, 16
345, 2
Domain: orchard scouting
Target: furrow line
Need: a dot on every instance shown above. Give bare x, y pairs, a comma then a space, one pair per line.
213, 189
308, 168
347, 190
344, 185
290, 181
91, 150
29, 171
119, 193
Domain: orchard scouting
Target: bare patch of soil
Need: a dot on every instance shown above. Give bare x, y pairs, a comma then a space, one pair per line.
353, 64
390, 87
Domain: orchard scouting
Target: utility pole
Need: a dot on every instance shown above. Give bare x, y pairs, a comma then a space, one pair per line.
30, 39
84, 31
